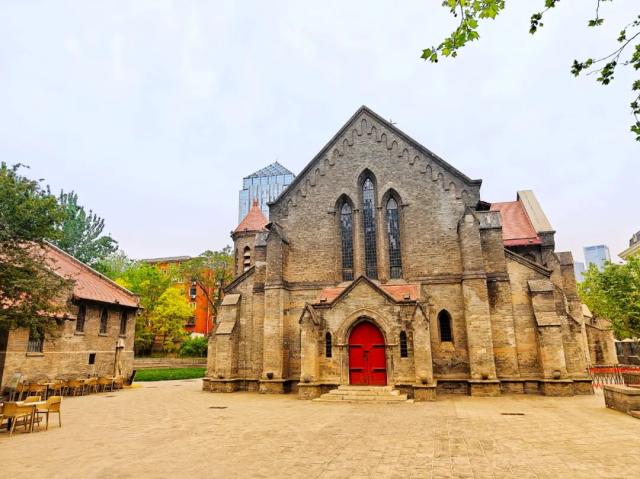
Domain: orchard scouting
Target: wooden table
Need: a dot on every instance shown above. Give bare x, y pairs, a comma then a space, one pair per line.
34, 405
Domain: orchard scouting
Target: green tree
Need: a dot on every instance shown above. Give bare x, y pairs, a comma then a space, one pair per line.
169, 316
211, 271
30, 294
626, 51
614, 294
81, 232
115, 265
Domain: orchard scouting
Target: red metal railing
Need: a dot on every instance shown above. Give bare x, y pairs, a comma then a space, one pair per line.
628, 375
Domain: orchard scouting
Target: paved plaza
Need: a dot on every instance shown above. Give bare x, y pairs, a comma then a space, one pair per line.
173, 429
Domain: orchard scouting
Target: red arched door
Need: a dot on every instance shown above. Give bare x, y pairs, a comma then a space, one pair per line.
367, 361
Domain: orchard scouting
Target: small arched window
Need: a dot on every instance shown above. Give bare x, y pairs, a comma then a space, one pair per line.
82, 313
369, 223
104, 318
404, 351
328, 352
393, 229
346, 235
246, 258
444, 323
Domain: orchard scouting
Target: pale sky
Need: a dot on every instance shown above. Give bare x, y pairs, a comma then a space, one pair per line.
153, 111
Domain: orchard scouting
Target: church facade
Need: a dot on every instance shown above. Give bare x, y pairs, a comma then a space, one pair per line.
381, 265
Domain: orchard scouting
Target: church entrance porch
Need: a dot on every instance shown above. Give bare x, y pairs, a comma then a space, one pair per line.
367, 358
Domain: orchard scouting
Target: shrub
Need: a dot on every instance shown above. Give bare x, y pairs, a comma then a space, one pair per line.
194, 347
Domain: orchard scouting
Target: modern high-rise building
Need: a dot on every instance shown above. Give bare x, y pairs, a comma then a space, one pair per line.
597, 254
578, 269
264, 185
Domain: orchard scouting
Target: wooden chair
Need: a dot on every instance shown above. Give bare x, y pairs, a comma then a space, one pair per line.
36, 389
56, 387
104, 383
74, 386
13, 411
65, 387
52, 406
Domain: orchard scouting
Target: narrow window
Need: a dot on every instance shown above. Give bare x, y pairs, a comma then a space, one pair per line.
327, 345
193, 291
404, 352
246, 258
346, 227
444, 322
393, 229
92, 358
82, 313
369, 222
104, 318
124, 316
36, 340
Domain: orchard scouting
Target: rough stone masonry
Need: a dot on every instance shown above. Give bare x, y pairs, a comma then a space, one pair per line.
469, 297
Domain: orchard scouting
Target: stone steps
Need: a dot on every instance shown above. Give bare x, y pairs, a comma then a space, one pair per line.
360, 394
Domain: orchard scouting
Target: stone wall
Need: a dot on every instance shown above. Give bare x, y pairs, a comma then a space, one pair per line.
66, 352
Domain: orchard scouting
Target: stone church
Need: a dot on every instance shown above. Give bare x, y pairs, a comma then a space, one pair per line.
381, 265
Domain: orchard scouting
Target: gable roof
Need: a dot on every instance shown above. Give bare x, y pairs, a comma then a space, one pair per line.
271, 170
253, 221
517, 229
396, 293
89, 284
391, 127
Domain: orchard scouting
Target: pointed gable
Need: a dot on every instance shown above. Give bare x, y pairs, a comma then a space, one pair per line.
366, 122
254, 221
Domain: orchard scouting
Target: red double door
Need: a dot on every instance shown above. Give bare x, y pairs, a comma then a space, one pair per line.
367, 361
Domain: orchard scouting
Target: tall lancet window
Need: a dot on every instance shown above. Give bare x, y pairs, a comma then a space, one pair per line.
393, 229
369, 222
346, 233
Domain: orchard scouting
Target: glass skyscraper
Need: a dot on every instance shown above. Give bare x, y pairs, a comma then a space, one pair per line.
264, 185
597, 254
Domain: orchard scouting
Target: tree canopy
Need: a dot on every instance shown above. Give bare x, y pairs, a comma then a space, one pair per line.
614, 294
80, 233
30, 294
626, 50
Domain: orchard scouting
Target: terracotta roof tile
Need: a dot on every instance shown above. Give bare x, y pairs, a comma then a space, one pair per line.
517, 229
399, 292
89, 284
254, 221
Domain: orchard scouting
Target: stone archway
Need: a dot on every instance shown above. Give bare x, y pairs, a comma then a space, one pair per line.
367, 355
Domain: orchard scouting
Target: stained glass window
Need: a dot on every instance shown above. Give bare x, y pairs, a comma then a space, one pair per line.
404, 350
393, 229
369, 222
346, 233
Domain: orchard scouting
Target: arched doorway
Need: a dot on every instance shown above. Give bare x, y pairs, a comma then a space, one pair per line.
367, 359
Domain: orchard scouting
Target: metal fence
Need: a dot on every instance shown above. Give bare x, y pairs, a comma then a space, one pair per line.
626, 374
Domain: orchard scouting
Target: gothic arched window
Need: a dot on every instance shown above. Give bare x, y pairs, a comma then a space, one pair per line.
327, 345
393, 228
369, 222
404, 350
444, 322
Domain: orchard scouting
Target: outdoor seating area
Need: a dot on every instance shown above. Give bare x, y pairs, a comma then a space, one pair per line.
28, 413
68, 386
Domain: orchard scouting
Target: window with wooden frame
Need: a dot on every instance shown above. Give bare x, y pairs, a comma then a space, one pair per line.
36, 340
104, 319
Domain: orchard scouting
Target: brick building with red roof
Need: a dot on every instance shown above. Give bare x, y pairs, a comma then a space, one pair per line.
94, 335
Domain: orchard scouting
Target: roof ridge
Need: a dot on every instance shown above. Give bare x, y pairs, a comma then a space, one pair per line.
91, 270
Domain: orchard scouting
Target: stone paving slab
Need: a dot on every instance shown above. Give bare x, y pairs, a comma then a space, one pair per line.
172, 429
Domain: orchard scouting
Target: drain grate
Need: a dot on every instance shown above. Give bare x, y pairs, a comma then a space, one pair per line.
512, 413
217, 407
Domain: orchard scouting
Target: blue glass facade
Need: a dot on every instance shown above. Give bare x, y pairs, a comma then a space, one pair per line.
265, 186
598, 255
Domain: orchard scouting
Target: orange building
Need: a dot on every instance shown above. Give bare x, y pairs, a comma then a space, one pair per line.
203, 319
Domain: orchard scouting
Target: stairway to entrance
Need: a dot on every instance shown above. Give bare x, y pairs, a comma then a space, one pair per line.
359, 394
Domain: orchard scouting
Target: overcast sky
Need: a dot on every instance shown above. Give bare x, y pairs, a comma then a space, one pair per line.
153, 111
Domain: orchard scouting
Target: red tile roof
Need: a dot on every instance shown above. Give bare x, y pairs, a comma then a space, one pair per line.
399, 292
89, 284
254, 221
517, 229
